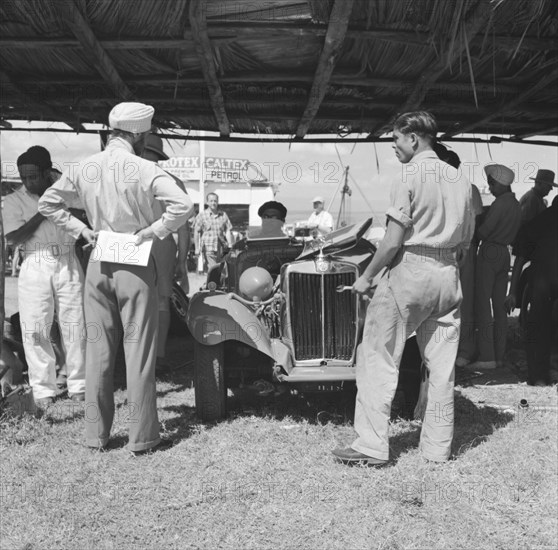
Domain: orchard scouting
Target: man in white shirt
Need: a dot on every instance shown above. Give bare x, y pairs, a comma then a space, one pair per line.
50, 283
429, 228
320, 220
117, 189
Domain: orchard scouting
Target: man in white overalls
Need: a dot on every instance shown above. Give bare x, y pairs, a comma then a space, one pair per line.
50, 284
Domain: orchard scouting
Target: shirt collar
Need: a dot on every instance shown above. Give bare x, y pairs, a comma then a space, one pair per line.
24, 190
120, 143
428, 154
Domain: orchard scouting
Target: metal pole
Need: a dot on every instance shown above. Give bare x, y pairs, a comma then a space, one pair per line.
3, 271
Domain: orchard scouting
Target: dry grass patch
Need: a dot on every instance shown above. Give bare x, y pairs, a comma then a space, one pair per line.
265, 479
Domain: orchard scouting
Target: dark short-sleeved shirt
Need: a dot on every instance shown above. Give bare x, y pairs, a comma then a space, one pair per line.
538, 241
531, 205
502, 220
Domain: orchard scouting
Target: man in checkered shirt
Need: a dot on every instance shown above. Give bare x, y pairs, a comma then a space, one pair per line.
212, 232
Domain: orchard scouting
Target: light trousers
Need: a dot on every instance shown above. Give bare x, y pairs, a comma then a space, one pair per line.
121, 302
493, 264
419, 293
51, 286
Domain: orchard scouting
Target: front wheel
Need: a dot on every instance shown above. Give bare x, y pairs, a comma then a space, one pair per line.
211, 391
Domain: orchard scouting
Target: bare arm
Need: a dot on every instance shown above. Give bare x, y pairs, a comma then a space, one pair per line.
183, 248
510, 301
387, 249
23, 233
229, 237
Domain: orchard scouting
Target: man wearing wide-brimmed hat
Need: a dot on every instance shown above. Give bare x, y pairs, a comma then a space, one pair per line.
533, 203
117, 188
496, 233
169, 266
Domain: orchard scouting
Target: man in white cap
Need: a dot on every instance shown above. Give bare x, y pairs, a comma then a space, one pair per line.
117, 189
168, 265
496, 233
320, 220
533, 203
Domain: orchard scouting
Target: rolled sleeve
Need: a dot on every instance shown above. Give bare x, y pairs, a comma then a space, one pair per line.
400, 207
56, 201
178, 205
12, 216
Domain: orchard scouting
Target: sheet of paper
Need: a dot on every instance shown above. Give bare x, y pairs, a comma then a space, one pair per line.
120, 248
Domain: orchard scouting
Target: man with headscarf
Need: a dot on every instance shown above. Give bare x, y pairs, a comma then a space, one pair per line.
50, 283
117, 189
496, 232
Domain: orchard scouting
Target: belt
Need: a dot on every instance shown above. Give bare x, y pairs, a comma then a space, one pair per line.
49, 249
437, 253
494, 242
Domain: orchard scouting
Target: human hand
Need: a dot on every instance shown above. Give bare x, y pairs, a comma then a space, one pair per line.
362, 286
180, 269
89, 236
509, 303
143, 235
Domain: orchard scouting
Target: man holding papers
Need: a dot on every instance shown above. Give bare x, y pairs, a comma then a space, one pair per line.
117, 189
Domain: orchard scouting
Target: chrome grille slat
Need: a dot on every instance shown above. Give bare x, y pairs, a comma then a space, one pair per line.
336, 326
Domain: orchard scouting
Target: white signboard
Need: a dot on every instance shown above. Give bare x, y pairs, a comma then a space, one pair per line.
184, 168
217, 169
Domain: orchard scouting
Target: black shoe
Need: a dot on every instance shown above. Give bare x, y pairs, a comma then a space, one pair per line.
540, 382
44, 402
78, 397
61, 381
348, 455
163, 445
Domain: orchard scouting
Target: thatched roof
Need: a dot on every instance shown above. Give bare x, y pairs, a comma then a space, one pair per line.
294, 67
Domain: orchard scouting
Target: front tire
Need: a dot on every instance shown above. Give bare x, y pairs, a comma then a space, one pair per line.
211, 391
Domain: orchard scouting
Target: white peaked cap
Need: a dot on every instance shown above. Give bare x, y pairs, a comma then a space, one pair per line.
131, 117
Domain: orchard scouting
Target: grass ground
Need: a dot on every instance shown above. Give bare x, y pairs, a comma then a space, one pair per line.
265, 477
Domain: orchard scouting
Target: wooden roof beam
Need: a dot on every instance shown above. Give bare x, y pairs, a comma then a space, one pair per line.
473, 25
204, 50
69, 12
509, 106
552, 130
280, 77
337, 28
40, 106
225, 32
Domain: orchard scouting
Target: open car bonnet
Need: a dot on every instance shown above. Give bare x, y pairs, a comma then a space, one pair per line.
337, 240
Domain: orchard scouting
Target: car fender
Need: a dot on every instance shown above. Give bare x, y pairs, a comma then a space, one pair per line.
215, 317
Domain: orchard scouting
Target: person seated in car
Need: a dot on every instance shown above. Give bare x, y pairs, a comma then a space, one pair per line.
273, 215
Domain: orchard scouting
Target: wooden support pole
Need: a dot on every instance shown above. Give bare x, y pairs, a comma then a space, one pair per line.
92, 47
337, 28
205, 54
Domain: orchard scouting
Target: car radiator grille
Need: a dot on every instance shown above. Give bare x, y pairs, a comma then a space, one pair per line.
323, 321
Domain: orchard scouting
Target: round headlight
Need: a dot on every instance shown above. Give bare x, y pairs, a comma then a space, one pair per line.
255, 284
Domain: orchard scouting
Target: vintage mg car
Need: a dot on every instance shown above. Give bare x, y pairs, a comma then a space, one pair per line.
282, 310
